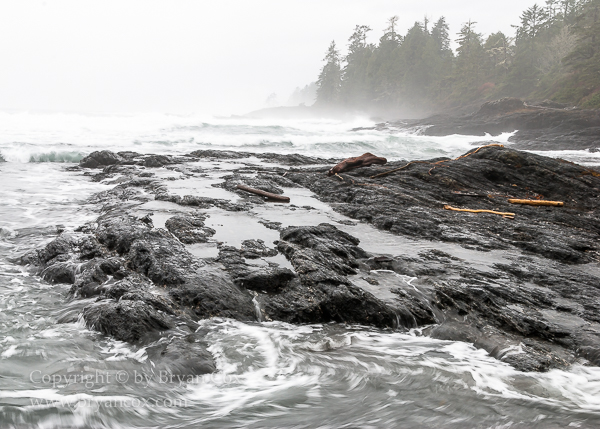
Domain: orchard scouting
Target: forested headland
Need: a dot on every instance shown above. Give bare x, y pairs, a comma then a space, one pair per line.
554, 55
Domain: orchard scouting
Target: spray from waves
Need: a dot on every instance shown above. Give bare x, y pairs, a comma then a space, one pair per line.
24, 156
37, 137
56, 157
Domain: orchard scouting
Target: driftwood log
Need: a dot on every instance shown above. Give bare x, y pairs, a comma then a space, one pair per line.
446, 207
536, 202
364, 160
269, 195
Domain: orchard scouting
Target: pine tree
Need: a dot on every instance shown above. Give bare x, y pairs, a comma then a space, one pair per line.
329, 82
584, 60
469, 63
382, 67
533, 21
500, 52
355, 88
532, 35
442, 66
441, 36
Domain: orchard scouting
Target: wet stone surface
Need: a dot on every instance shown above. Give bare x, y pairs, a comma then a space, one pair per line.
371, 251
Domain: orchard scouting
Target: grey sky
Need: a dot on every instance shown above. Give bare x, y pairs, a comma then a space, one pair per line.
193, 55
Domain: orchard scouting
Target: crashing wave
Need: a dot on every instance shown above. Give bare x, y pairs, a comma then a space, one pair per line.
53, 156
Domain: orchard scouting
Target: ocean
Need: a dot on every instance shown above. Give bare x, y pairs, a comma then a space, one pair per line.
270, 374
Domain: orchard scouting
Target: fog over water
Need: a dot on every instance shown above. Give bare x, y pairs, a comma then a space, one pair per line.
193, 56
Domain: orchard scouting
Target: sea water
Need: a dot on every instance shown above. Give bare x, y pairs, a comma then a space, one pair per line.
270, 374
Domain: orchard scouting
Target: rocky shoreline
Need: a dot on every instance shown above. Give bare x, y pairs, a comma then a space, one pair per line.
151, 266
542, 126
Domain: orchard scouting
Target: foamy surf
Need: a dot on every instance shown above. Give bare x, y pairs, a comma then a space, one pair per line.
66, 138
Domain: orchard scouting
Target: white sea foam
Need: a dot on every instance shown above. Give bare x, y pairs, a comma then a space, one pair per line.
60, 137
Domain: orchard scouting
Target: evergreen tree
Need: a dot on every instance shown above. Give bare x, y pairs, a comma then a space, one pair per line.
555, 54
443, 63
533, 21
500, 52
524, 75
584, 60
469, 63
329, 82
355, 89
569, 10
382, 67
441, 36
417, 72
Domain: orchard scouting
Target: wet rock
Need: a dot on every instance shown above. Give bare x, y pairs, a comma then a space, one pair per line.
218, 154
155, 161
182, 359
100, 159
118, 233
61, 272
266, 279
189, 229
89, 280
321, 253
259, 278
128, 155
263, 183
125, 320
456, 332
133, 283
323, 257
213, 294
271, 225
410, 202
90, 248
161, 258
278, 179
293, 159
536, 310
60, 246
289, 159
254, 249
326, 302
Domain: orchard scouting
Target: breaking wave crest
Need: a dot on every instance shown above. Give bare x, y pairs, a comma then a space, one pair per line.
56, 157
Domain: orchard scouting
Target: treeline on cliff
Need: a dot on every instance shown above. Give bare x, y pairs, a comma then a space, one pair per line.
554, 55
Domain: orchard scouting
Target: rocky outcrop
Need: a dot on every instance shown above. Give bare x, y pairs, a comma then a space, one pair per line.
100, 159
189, 229
524, 289
537, 312
540, 126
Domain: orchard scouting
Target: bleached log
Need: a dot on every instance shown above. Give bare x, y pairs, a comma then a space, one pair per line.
265, 194
536, 202
447, 207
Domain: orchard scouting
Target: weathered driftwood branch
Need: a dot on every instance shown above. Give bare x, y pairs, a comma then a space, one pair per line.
265, 194
435, 164
536, 202
364, 160
447, 207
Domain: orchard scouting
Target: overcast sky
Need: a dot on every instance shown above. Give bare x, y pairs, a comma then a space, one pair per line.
182, 56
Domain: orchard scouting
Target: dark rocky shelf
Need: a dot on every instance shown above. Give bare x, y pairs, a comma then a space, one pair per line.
526, 289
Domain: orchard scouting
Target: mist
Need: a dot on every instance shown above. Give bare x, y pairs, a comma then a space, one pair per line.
192, 56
